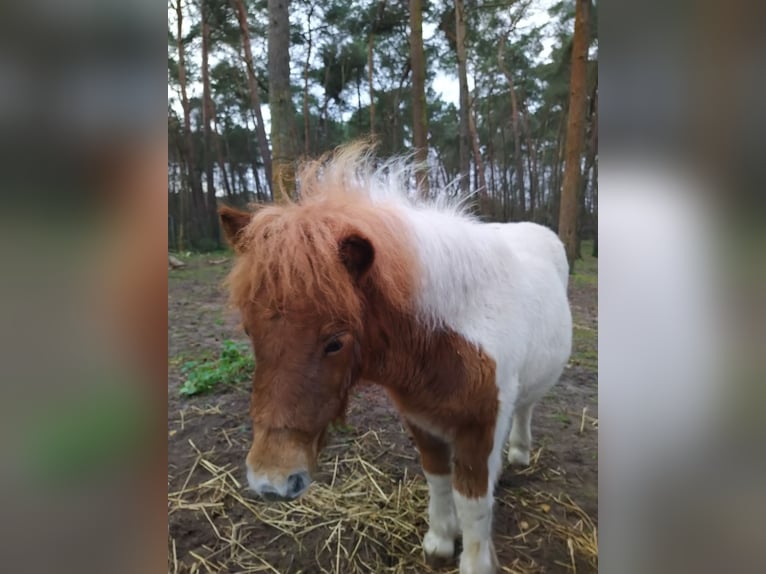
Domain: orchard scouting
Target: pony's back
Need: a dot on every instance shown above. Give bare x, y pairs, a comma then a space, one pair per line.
534, 240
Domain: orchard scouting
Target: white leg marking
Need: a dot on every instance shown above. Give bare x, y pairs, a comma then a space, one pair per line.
442, 521
520, 441
475, 515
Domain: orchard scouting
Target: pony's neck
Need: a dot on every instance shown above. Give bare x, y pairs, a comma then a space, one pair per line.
434, 376
400, 352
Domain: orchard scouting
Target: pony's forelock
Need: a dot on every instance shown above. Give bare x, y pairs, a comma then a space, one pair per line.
292, 260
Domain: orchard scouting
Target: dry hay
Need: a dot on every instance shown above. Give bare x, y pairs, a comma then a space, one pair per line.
363, 518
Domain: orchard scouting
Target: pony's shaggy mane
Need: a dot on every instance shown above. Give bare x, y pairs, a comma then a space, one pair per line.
289, 253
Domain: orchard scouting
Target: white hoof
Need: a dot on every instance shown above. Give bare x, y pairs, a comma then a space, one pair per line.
438, 547
518, 456
479, 560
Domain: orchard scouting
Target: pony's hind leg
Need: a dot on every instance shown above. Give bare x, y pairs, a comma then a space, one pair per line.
443, 527
520, 441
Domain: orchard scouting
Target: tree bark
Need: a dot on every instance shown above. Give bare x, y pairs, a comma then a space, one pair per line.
465, 160
419, 115
481, 182
220, 157
506, 183
555, 179
208, 112
260, 194
260, 129
575, 133
491, 152
518, 160
534, 183
197, 205
370, 67
371, 63
397, 98
280, 101
306, 123
325, 103
585, 220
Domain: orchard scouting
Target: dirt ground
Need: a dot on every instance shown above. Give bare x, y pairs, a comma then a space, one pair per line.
545, 516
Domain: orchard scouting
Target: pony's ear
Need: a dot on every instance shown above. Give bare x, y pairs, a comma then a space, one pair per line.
233, 221
357, 254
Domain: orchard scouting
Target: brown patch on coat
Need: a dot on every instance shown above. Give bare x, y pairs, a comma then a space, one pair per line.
435, 453
442, 381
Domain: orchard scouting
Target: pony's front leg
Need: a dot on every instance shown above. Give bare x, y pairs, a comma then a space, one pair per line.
474, 501
443, 528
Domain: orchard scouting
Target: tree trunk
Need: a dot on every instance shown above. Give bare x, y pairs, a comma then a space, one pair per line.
234, 170
555, 190
491, 148
198, 226
584, 218
370, 68
244, 188
518, 160
325, 103
397, 98
260, 194
179, 187
220, 157
506, 183
208, 112
419, 115
575, 133
260, 128
491, 154
280, 101
359, 102
465, 160
306, 123
371, 64
532, 162
481, 182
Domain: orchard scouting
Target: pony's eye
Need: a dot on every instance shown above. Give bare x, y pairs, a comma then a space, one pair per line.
333, 347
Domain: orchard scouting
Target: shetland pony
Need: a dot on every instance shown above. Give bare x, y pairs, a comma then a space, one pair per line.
466, 325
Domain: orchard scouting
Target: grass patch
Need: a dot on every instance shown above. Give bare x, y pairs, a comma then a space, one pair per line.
586, 269
199, 271
585, 347
235, 364
199, 265
341, 427
563, 418
584, 280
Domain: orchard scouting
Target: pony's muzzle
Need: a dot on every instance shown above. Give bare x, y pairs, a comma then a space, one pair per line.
271, 490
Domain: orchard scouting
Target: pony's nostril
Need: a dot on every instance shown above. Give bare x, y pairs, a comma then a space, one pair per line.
297, 483
268, 492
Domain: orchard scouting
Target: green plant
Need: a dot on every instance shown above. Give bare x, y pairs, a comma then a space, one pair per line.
234, 365
563, 418
341, 427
